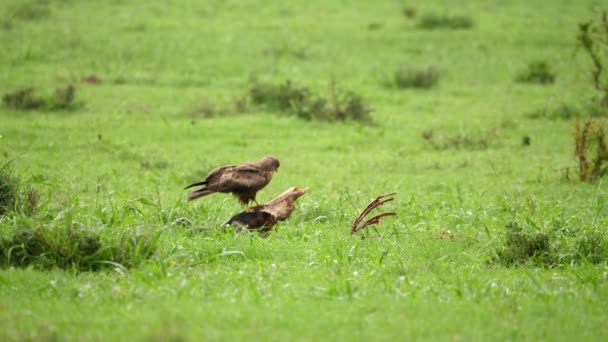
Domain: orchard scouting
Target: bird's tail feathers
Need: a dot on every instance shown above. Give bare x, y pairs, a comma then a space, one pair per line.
198, 194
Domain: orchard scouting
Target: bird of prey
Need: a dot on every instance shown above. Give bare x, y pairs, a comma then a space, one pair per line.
263, 217
243, 180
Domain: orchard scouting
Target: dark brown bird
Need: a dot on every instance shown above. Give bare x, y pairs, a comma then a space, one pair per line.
263, 217
243, 180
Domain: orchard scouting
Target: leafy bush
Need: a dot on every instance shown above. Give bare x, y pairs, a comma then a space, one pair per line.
24, 10
410, 77
23, 99
63, 98
564, 111
283, 96
432, 21
409, 12
537, 72
73, 247
553, 247
523, 246
300, 101
464, 140
208, 109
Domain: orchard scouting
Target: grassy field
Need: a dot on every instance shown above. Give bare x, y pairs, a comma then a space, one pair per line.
162, 110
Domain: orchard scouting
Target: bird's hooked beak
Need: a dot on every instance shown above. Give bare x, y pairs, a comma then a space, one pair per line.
299, 192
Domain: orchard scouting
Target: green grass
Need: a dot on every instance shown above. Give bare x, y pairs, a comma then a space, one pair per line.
116, 166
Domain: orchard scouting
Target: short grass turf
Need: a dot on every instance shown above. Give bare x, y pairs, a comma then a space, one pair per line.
118, 162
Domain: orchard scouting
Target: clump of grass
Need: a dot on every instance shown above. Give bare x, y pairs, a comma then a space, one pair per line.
433, 21
14, 195
590, 149
524, 246
412, 77
539, 72
409, 12
593, 246
9, 187
26, 10
301, 102
562, 111
63, 98
209, 109
565, 111
462, 140
283, 96
73, 247
373, 26
23, 99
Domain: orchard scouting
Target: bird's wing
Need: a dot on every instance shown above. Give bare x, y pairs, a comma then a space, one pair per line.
213, 176
216, 174
247, 168
243, 177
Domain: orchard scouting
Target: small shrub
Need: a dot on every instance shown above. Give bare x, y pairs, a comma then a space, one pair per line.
590, 149
73, 247
461, 140
23, 99
208, 109
14, 196
566, 111
593, 246
432, 21
9, 187
30, 10
537, 72
26, 10
63, 98
521, 247
46, 248
563, 111
409, 77
282, 96
409, 12
374, 26
300, 101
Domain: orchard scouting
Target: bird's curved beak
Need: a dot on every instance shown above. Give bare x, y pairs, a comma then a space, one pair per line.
302, 191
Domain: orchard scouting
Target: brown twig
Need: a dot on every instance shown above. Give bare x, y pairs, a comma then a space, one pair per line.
380, 200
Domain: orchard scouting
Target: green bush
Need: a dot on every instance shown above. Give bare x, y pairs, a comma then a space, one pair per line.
524, 246
463, 140
63, 98
537, 72
411, 77
432, 21
73, 247
300, 101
